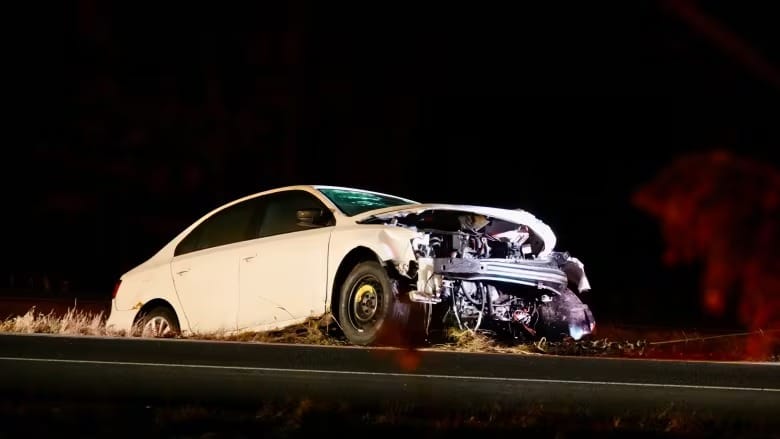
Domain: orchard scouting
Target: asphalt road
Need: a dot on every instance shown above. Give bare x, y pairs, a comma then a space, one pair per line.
44, 366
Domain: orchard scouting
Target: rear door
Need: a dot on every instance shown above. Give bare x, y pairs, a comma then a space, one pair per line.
206, 263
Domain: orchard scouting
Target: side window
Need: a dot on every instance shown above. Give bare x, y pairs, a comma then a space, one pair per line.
281, 209
227, 226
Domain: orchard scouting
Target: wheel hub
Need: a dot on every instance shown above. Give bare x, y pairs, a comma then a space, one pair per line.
157, 327
365, 303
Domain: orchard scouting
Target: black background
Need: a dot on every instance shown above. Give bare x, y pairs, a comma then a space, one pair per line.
132, 119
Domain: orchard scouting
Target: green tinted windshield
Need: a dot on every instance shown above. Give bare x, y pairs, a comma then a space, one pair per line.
353, 202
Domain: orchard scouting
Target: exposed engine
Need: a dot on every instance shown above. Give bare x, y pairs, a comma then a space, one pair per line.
476, 304
487, 272
465, 235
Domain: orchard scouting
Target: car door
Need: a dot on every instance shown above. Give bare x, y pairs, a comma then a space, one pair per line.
283, 276
206, 264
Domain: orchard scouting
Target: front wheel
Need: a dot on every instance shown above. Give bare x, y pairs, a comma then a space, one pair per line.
370, 310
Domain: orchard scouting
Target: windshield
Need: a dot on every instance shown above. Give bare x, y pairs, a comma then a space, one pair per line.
353, 202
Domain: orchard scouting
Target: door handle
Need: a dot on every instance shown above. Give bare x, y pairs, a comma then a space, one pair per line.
249, 258
181, 272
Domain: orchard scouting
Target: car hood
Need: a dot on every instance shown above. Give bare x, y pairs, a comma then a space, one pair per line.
517, 216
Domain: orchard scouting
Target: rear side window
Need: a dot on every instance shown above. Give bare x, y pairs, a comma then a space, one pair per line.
233, 224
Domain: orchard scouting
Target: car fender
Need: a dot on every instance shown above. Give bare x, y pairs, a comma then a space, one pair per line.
137, 288
389, 243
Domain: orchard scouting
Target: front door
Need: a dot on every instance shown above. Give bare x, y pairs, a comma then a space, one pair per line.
283, 275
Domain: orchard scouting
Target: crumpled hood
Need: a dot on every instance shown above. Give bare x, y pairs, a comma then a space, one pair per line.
517, 216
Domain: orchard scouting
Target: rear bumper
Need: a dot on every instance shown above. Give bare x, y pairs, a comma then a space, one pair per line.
120, 320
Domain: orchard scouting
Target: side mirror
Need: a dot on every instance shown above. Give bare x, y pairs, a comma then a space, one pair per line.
312, 217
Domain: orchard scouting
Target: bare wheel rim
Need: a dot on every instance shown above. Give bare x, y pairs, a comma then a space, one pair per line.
157, 326
365, 302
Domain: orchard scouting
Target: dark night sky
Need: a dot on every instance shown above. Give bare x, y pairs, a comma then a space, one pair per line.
137, 118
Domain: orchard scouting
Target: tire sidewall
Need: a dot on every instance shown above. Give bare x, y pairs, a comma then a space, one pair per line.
163, 312
385, 313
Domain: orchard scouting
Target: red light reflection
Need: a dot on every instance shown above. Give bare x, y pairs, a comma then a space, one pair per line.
723, 211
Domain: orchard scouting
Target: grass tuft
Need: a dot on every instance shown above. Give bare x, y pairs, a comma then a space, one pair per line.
468, 340
73, 322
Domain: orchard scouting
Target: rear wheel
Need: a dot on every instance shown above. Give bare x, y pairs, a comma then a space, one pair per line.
159, 322
370, 309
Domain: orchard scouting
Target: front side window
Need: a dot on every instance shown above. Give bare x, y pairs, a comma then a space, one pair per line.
280, 212
232, 224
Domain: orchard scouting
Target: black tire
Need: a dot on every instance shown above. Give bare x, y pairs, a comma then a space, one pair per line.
371, 311
159, 322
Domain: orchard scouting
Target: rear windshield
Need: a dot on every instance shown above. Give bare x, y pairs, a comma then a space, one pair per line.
353, 202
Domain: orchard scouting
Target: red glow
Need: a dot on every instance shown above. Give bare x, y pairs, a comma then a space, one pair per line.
407, 360
725, 39
714, 302
723, 211
116, 288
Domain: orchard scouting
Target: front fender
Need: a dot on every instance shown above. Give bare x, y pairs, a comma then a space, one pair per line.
389, 243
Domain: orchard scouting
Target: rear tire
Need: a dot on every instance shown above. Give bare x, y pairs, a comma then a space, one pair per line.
159, 322
371, 310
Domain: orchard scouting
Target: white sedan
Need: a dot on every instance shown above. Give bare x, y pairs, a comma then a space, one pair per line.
387, 268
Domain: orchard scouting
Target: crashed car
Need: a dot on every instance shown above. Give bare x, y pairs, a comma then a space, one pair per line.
387, 268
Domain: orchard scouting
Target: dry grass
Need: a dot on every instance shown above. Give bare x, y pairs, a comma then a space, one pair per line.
614, 342
320, 330
485, 341
596, 347
467, 340
73, 322
695, 344
315, 330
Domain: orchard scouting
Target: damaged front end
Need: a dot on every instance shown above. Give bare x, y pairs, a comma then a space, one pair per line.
494, 268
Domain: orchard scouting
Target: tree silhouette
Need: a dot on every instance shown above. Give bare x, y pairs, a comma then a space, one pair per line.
722, 211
